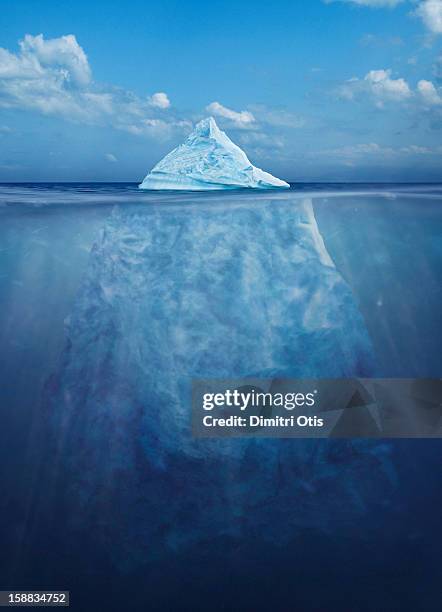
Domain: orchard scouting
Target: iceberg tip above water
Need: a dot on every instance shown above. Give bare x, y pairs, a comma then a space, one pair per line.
208, 160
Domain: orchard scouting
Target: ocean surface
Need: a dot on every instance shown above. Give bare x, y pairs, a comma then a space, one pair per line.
112, 299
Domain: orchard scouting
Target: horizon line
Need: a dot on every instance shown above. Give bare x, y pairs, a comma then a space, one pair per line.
321, 182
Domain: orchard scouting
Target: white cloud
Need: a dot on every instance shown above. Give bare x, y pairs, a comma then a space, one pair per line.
240, 119
429, 93
430, 11
379, 85
160, 100
384, 87
111, 157
50, 76
53, 77
18, 66
63, 52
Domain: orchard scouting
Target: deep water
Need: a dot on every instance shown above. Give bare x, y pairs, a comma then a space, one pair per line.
112, 299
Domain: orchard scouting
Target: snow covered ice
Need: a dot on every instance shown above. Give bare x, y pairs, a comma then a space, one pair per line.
208, 160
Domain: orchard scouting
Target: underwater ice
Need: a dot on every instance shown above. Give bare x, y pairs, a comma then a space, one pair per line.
216, 289
208, 160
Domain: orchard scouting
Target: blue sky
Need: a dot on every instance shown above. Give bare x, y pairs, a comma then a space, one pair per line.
312, 90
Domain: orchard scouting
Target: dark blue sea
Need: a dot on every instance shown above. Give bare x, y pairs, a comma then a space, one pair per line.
113, 299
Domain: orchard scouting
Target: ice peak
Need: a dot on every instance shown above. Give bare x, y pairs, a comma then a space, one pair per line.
206, 127
208, 159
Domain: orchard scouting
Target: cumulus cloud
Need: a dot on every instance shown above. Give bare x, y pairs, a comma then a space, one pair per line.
380, 85
430, 11
384, 87
53, 77
239, 118
63, 52
381, 88
260, 126
429, 93
261, 129
37, 54
160, 100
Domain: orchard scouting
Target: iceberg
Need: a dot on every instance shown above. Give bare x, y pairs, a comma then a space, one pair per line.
222, 287
208, 160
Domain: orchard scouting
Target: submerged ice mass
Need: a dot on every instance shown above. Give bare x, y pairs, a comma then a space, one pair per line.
226, 287
208, 160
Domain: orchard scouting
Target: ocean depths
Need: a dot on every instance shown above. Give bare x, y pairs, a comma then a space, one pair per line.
112, 299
